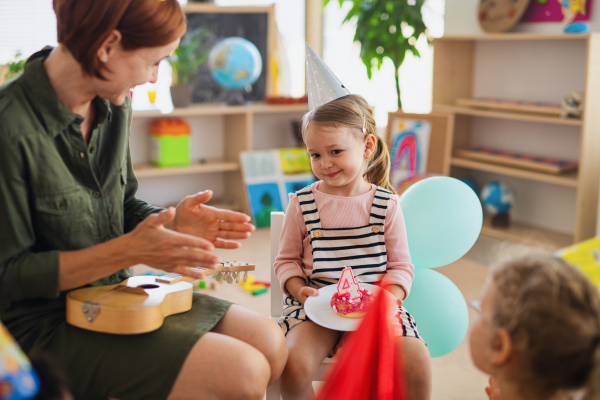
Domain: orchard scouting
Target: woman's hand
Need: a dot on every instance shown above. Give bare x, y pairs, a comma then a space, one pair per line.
193, 217
493, 391
171, 251
398, 292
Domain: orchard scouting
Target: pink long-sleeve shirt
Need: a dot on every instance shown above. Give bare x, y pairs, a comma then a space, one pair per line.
295, 255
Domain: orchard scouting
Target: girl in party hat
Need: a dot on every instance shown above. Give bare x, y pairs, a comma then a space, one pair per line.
349, 218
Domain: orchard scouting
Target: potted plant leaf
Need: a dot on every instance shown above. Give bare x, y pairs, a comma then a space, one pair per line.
13, 68
185, 61
386, 29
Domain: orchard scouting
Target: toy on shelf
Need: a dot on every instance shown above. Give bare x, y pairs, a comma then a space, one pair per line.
572, 105
140, 304
498, 199
585, 256
500, 15
535, 163
235, 64
170, 142
536, 107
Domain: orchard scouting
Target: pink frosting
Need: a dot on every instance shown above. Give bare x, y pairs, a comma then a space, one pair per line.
341, 303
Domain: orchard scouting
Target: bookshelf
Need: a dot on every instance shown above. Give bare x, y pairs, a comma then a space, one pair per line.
457, 75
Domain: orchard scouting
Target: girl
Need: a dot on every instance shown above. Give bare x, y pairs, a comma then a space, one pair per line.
353, 213
538, 333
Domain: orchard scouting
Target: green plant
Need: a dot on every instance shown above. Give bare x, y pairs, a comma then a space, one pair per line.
386, 28
188, 56
15, 67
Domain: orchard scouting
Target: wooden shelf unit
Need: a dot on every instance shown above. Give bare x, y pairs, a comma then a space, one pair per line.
453, 78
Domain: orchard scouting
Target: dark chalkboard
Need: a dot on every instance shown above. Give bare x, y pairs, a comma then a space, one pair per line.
250, 26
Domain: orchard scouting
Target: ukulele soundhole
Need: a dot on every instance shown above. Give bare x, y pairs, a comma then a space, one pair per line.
148, 286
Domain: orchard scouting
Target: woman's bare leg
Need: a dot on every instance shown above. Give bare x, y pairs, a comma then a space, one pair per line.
222, 367
259, 332
308, 345
417, 367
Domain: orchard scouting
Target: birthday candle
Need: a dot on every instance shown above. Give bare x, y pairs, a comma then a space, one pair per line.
347, 284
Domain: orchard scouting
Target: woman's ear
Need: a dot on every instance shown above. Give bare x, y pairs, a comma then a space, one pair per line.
108, 47
502, 348
370, 145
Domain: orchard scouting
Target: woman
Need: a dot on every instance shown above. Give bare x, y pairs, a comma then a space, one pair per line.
70, 218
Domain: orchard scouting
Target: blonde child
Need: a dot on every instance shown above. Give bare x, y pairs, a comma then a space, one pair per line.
538, 334
350, 217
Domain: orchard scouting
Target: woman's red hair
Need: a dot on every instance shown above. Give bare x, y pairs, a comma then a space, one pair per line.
83, 25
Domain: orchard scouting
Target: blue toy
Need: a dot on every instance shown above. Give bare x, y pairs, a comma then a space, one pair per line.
577, 27
235, 63
497, 198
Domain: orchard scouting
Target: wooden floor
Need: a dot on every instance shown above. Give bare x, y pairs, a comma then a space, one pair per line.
454, 375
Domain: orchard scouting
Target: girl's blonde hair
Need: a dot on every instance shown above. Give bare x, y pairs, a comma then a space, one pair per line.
552, 313
353, 111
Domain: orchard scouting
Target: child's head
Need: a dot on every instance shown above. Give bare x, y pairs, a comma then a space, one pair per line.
341, 151
539, 326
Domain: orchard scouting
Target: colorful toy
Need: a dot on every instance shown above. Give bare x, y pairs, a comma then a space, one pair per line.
572, 105
409, 149
565, 11
498, 199
512, 159
260, 291
585, 256
201, 284
500, 15
170, 142
18, 380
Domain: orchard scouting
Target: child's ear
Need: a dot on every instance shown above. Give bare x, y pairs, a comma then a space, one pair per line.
502, 347
370, 145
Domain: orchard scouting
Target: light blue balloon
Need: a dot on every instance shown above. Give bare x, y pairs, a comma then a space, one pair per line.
443, 218
440, 311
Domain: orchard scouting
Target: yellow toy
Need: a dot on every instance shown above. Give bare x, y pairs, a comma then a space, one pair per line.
585, 256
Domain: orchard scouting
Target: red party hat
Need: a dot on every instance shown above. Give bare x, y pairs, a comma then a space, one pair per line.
366, 367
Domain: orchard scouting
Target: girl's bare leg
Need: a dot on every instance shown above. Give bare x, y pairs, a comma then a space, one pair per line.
308, 345
417, 367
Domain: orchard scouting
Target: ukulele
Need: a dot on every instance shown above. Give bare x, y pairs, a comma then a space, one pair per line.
141, 303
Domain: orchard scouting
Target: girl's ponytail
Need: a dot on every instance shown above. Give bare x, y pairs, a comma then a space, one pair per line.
377, 171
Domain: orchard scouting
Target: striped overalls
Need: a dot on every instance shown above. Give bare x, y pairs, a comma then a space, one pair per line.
362, 248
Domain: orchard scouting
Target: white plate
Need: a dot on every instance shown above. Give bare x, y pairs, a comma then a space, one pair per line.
320, 312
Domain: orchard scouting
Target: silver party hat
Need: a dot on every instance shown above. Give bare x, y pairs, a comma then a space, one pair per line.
322, 85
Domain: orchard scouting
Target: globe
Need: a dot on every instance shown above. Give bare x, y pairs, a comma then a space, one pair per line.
234, 63
497, 198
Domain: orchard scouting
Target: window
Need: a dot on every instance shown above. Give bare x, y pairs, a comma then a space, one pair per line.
342, 55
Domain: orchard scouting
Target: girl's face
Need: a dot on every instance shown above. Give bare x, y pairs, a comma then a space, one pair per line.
129, 68
483, 330
338, 155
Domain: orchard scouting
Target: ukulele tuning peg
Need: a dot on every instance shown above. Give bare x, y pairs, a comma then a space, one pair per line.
237, 277
229, 279
245, 279
218, 277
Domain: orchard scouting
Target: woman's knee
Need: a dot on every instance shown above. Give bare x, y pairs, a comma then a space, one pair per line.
276, 350
252, 374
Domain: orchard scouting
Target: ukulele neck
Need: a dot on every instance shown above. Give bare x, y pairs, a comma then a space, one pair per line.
223, 267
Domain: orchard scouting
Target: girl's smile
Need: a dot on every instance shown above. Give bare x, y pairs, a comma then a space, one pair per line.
338, 156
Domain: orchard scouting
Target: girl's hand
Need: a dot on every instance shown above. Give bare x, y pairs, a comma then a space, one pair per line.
154, 245
305, 292
493, 391
398, 292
